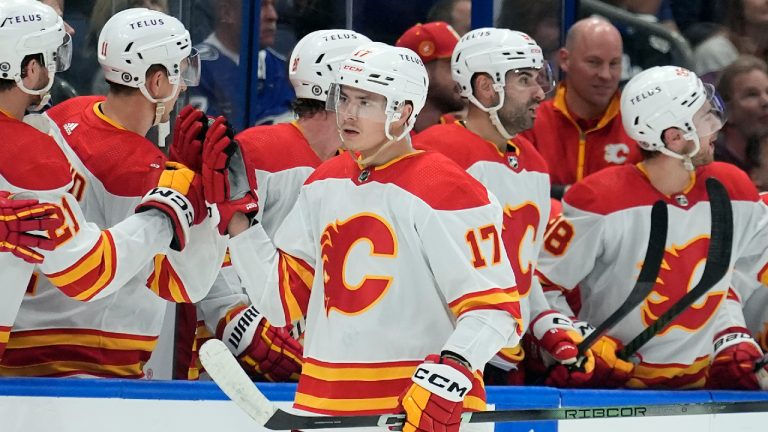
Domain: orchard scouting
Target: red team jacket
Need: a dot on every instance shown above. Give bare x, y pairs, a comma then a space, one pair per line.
572, 153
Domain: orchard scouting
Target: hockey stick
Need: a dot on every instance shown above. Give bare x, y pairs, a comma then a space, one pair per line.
228, 374
718, 262
654, 255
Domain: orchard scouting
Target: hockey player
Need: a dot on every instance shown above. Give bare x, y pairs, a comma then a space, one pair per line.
599, 241
394, 236
504, 91
87, 263
148, 61
283, 155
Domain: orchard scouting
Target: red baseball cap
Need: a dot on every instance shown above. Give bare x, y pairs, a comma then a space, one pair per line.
431, 41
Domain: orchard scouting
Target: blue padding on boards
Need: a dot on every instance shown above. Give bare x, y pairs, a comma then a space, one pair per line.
521, 398
131, 389
735, 396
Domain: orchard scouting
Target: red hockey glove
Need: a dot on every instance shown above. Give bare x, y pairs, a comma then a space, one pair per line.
435, 400
179, 195
188, 135
228, 179
557, 337
17, 218
600, 368
262, 349
733, 361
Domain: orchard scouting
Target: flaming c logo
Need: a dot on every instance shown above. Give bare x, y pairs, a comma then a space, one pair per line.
519, 234
337, 243
676, 278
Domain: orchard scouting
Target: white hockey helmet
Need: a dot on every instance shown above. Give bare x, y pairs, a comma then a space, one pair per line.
29, 27
496, 51
135, 39
664, 97
316, 58
396, 73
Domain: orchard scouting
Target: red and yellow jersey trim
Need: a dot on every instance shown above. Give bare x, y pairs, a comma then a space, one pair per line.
295, 282
84, 279
502, 299
362, 388
670, 375
166, 283
66, 352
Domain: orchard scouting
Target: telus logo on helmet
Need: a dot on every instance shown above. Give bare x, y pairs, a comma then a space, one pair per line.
410, 58
146, 23
645, 95
21, 19
334, 37
475, 35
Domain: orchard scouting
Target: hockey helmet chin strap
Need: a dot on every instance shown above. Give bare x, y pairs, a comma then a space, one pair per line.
44, 93
686, 158
493, 112
388, 143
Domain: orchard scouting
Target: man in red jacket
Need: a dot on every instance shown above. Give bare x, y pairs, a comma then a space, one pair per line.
579, 131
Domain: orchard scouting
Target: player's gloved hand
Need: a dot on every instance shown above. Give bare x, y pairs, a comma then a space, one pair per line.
436, 404
17, 218
262, 349
600, 367
188, 135
228, 179
733, 360
506, 367
179, 195
557, 337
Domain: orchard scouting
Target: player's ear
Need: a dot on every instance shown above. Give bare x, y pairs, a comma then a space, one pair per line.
405, 114
673, 139
154, 82
563, 55
482, 87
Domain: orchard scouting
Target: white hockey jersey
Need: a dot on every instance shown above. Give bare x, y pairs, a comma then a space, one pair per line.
403, 254
113, 336
599, 245
519, 179
88, 263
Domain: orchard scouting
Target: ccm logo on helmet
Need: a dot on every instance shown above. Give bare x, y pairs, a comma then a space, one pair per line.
146, 23
440, 381
646, 94
21, 19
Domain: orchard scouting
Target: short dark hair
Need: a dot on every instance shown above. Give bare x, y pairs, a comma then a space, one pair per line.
305, 108
122, 89
8, 84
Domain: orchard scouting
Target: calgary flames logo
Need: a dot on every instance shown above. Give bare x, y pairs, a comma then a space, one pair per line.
676, 278
519, 234
336, 244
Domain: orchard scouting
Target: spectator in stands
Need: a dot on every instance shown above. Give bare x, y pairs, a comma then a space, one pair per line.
757, 156
457, 13
539, 19
220, 87
434, 43
579, 131
745, 32
743, 85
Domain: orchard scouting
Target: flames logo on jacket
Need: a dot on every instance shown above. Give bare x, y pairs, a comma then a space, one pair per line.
677, 276
337, 244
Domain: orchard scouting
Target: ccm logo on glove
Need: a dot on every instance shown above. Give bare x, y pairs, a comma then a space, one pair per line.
454, 386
